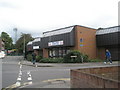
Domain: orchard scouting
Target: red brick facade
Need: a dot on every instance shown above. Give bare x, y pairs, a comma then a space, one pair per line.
89, 41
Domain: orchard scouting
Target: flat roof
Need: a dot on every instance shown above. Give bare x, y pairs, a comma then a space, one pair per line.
67, 27
57, 29
108, 30
109, 27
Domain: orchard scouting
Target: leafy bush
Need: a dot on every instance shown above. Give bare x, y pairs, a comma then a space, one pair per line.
52, 60
95, 60
78, 59
85, 58
29, 57
38, 58
66, 59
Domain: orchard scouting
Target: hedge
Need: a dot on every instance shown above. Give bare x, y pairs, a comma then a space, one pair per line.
78, 59
66, 59
52, 60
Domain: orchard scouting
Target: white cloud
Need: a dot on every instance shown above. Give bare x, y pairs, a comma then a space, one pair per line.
36, 16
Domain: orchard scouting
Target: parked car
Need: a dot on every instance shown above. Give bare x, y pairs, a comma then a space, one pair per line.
2, 54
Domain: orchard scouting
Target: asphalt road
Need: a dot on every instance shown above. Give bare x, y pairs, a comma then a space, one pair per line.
11, 68
43, 76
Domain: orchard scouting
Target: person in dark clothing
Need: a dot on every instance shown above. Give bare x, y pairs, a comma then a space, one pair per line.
34, 58
108, 56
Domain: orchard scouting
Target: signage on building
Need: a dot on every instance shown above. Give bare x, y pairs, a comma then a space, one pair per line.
35, 47
81, 45
55, 43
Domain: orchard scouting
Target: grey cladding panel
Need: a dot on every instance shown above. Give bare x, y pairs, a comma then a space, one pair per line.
68, 39
108, 39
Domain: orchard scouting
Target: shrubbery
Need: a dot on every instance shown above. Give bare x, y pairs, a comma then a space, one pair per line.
79, 57
38, 58
29, 57
95, 60
52, 60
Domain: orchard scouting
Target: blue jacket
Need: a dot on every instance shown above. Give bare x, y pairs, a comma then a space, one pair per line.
108, 54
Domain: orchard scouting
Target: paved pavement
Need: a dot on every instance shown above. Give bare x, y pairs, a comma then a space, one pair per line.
45, 75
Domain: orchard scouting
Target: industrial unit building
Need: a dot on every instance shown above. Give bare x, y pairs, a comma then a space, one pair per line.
59, 42
108, 38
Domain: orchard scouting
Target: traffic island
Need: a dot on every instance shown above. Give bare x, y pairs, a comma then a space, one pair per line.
100, 77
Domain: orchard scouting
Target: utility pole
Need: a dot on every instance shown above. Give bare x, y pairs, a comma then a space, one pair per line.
23, 44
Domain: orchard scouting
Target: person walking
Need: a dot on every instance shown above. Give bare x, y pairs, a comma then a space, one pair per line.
34, 58
108, 56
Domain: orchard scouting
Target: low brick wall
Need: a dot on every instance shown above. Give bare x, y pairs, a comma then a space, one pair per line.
101, 77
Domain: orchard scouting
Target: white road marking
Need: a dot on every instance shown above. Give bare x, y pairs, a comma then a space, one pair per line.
19, 79
29, 77
20, 73
20, 66
18, 83
28, 72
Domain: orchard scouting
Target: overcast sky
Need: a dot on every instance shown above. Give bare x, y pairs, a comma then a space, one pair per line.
37, 16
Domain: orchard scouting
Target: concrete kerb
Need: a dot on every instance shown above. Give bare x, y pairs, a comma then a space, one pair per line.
38, 65
28, 63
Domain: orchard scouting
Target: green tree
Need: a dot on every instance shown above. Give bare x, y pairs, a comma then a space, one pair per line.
20, 42
7, 40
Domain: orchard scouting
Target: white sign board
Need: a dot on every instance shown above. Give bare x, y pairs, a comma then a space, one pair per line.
35, 47
55, 43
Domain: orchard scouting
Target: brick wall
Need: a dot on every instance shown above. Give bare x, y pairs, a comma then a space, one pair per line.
95, 78
45, 53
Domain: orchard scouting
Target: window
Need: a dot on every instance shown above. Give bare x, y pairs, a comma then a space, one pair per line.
50, 53
53, 53
64, 53
81, 39
60, 52
67, 51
